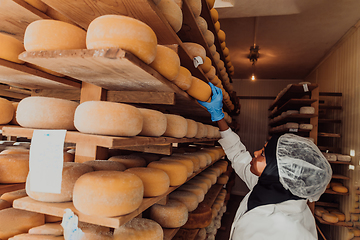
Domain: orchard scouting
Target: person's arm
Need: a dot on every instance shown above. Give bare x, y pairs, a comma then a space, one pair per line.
223, 126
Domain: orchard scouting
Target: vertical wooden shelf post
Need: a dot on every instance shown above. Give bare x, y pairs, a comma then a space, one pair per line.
315, 120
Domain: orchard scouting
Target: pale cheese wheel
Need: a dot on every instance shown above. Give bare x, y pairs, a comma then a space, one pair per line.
211, 175
216, 57
28, 236
6, 110
212, 49
154, 123
210, 3
46, 112
209, 38
339, 189
188, 198
214, 169
166, 62
71, 172
204, 179
292, 125
108, 193
221, 35
199, 90
105, 165
172, 12
108, 118
173, 214
129, 161
210, 131
10, 48
343, 158
306, 126
192, 128
307, 110
90, 234
156, 181
199, 183
193, 158
331, 157
211, 74
94, 228
187, 162
176, 171
14, 168
202, 159
139, 228
11, 196
48, 228
198, 191
214, 15
339, 215
15, 221
195, 7
184, 79
202, 24
38, 5
109, 31
201, 235
195, 50
4, 204
217, 27
330, 218
201, 130
176, 126
49, 34
206, 66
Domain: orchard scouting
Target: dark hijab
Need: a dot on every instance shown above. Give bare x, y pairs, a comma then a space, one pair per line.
269, 190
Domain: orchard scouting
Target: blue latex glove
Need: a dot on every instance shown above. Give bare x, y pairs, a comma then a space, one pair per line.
215, 106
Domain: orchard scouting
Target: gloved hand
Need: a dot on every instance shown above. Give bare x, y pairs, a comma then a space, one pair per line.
215, 106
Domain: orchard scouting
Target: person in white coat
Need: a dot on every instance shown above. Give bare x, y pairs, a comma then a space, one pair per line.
286, 173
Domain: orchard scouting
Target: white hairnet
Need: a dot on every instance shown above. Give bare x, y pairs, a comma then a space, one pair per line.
303, 169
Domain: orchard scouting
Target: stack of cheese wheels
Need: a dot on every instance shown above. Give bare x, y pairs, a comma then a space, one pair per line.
195, 50
71, 172
172, 12
49, 34
173, 214
154, 123
188, 198
46, 112
123, 32
14, 168
156, 182
15, 221
129, 161
187, 162
7, 111
108, 118
10, 48
192, 128
166, 62
108, 193
105, 165
176, 126
139, 228
176, 171
184, 79
11, 196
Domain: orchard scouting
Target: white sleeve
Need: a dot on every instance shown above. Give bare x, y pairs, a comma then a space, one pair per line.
239, 157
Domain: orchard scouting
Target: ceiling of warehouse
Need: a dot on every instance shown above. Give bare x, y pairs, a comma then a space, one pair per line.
293, 35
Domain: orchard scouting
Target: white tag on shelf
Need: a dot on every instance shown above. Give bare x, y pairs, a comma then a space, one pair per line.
293, 130
306, 88
46, 160
351, 167
198, 61
70, 225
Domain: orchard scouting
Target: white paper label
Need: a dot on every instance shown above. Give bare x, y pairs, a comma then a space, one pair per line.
197, 61
305, 86
70, 225
293, 129
46, 160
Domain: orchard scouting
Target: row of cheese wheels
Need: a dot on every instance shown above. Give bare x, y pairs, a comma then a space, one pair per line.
331, 215
337, 187
101, 117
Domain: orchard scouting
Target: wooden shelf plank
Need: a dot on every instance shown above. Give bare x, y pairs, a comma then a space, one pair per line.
341, 224
292, 104
212, 194
105, 141
4, 188
327, 204
169, 233
338, 176
333, 135
293, 118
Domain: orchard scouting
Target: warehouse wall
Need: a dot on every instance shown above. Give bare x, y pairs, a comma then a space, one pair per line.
340, 72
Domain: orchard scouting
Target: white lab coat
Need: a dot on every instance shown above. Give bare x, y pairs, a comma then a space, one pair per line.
289, 220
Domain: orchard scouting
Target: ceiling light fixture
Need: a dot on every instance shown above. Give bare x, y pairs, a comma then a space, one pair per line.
253, 56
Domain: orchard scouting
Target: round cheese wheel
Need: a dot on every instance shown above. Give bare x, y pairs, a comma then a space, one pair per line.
48, 228
319, 211
6, 110
172, 12
10, 48
173, 214
330, 218
201, 234
306, 126
16, 151
221, 66
108, 193
156, 181
206, 66
187, 162
108, 118
307, 110
139, 228
105, 165
217, 27
199, 218
184, 79
211, 175
202, 184
176, 126
210, 3
4, 204
210, 131
129, 161
192, 128
212, 49
339, 215
204, 179
195, 50
13, 120
188, 198
46, 112
166, 62
49, 34
193, 158
214, 15
211, 74
203, 162
14, 168
332, 184
209, 38
28, 236
201, 130
223, 179
71, 172
226, 53
216, 57
199, 90
154, 123
198, 191
339, 189
11, 196
38, 5
195, 7
122, 32
202, 24
221, 35
176, 171
90, 234
215, 80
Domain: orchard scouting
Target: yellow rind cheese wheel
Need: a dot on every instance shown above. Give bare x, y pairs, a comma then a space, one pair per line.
7, 111
339, 215
172, 12
154, 123
192, 128
215, 80
195, 50
184, 79
10, 48
202, 159
201, 130
46, 112
201, 22
187, 162
198, 191
211, 175
122, 32
319, 211
129, 161
211, 74
166, 62
108, 193
221, 35
217, 26
173, 214
226, 52
330, 218
216, 57
139, 228
221, 65
37, 4
339, 189
48, 34
206, 66
214, 15
193, 158
212, 49
201, 179
108, 118
199, 90
176, 171
14, 168
188, 198
156, 181
176, 126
